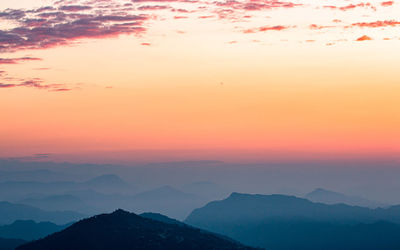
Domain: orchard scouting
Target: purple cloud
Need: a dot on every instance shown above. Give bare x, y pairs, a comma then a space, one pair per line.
48, 27
36, 83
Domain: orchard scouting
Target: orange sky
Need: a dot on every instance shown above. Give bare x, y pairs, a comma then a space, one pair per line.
247, 75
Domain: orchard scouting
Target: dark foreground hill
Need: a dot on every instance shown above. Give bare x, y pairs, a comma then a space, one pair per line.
10, 244
123, 230
287, 222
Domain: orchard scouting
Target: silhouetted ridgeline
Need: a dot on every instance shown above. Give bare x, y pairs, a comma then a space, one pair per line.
161, 218
288, 222
122, 231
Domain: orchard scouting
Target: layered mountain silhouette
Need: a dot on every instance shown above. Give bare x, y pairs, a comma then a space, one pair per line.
10, 212
123, 230
10, 244
330, 197
101, 194
288, 222
29, 230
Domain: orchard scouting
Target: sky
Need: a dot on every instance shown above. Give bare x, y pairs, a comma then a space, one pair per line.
227, 77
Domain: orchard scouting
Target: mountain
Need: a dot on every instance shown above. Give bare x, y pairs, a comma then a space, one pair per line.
10, 244
247, 207
29, 230
18, 190
58, 203
330, 197
108, 183
164, 200
97, 203
123, 230
288, 222
10, 212
40, 175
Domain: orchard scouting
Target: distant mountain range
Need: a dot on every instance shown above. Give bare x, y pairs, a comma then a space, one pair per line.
40, 175
166, 200
58, 203
330, 197
10, 212
29, 230
122, 230
101, 195
17, 190
288, 222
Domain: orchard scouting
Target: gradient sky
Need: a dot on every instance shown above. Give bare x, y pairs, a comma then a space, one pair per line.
235, 76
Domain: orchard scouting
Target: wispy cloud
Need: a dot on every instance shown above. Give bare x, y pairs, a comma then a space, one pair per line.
266, 28
18, 60
48, 27
351, 6
36, 83
387, 3
376, 24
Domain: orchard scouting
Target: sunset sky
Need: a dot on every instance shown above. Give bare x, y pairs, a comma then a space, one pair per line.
228, 76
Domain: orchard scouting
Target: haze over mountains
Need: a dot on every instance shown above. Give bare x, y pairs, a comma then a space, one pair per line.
40, 199
355, 177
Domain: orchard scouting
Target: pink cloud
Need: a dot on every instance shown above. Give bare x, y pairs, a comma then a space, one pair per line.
18, 60
387, 3
36, 83
351, 6
376, 24
266, 28
364, 38
153, 7
74, 8
319, 27
180, 17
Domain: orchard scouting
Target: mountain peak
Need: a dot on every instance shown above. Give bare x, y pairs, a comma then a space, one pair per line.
123, 230
120, 212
